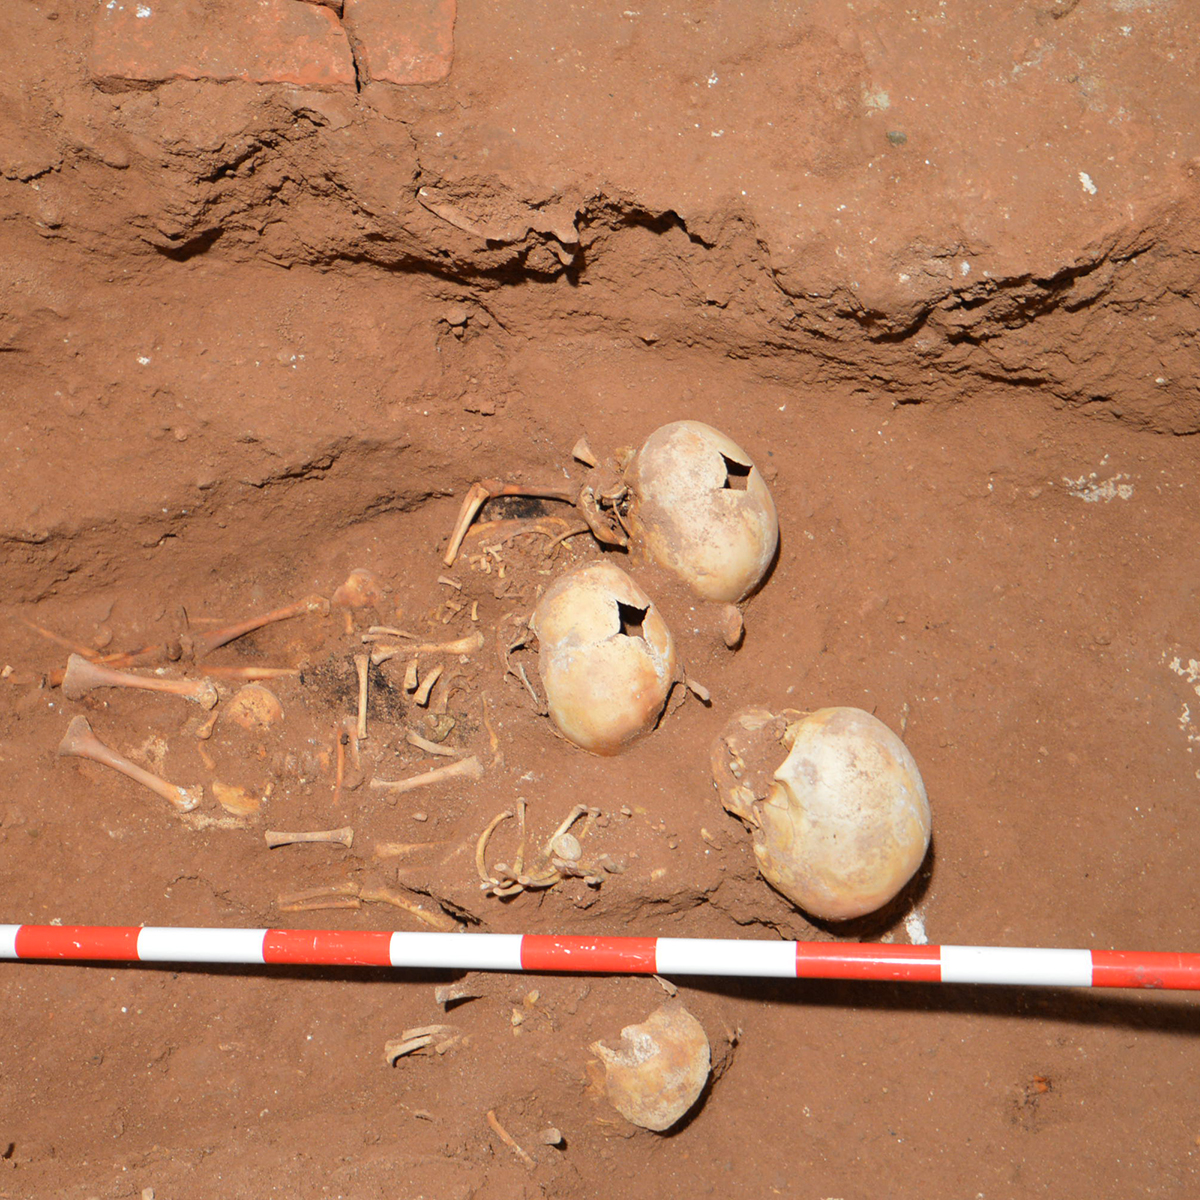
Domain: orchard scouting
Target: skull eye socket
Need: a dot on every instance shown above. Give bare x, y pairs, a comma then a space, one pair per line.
737, 475
631, 618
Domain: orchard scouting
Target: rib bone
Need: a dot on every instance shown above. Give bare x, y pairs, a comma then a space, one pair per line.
82, 675
478, 494
339, 837
81, 742
465, 768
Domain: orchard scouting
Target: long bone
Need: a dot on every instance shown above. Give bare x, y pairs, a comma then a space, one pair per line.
81, 742
206, 643
467, 644
82, 675
464, 768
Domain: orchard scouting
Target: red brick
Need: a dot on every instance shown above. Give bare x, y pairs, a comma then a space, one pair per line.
402, 41
263, 41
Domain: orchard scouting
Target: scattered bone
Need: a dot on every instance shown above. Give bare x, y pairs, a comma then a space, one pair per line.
467, 644
81, 742
415, 739
435, 920
708, 837
507, 1139
318, 903
421, 695
447, 994
474, 610
351, 727
237, 800
567, 846
361, 663
478, 494
340, 738
464, 768
410, 676
253, 673
493, 739
450, 582
254, 707
339, 837
583, 453
551, 1136
220, 637
441, 1037
66, 643
698, 690
82, 675
733, 626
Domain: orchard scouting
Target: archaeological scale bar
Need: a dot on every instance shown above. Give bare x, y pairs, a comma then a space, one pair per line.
512, 952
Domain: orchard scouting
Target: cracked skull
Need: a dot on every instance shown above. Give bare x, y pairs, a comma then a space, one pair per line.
606, 657
702, 509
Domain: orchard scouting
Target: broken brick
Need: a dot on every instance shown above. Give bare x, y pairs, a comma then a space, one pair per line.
269, 41
402, 41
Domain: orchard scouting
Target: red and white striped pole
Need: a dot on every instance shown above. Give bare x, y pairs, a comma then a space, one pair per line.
605, 955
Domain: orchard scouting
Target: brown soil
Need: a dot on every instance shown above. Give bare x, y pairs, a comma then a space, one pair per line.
933, 266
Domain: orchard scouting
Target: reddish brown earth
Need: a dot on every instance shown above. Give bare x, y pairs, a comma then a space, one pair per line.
935, 267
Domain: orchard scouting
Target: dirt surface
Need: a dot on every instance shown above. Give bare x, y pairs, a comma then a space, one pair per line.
933, 267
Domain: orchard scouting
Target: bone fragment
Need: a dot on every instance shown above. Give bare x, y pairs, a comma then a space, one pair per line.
82, 675
698, 690
507, 1139
415, 739
319, 902
583, 453
344, 889
450, 582
551, 1136
733, 626
361, 663
401, 849
421, 695
441, 1037
221, 637
410, 676
81, 742
340, 837
464, 768
447, 994
478, 494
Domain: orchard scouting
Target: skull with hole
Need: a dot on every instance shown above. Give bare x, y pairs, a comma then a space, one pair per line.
605, 655
702, 509
834, 802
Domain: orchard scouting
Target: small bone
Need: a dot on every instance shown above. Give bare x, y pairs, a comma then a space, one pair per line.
361, 663
205, 730
340, 837
507, 1139
571, 818
415, 739
421, 695
435, 920
221, 637
464, 768
362, 589
441, 1037
82, 675
733, 626
698, 690
468, 644
81, 742
450, 582
410, 676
